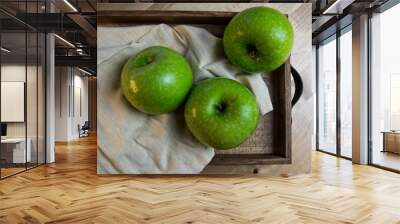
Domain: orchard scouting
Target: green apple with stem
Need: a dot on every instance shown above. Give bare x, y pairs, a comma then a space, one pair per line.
221, 113
156, 80
258, 39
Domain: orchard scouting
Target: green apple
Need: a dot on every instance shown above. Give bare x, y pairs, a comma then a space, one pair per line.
221, 113
258, 39
156, 80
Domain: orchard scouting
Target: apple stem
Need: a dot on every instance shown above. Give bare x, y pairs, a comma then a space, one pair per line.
252, 50
221, 107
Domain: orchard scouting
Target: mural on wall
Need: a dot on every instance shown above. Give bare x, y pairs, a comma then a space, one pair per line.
177, 94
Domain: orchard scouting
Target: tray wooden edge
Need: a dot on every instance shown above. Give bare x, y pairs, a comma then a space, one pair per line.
217, 17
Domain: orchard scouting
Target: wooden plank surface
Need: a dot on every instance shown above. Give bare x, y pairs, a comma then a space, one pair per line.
70, 191
157, 16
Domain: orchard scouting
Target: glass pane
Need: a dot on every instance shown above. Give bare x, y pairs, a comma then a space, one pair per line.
22, 89
385, 115
32, 88
41, 98
13, 88
32, 98
346, 93
327, 97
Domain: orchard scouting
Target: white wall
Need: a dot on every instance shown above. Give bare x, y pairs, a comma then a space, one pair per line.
16, 73
12, 73
13, 101
70, 83
33, 127
62, 81
80, 108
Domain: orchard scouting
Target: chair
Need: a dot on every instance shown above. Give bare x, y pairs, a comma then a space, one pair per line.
84, 129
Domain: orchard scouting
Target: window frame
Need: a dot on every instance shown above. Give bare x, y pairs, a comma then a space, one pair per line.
381, 9
336, 36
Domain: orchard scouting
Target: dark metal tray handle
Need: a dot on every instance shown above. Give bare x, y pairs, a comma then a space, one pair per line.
298, 83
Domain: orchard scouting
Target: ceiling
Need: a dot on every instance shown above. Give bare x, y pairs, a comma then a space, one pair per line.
75, 22
67, 20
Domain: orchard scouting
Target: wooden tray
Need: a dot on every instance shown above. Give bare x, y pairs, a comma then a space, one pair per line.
271, 142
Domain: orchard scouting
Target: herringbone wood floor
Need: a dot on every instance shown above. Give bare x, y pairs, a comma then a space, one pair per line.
69, 191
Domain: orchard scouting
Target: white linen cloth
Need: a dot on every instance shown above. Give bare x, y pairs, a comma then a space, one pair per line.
131, 142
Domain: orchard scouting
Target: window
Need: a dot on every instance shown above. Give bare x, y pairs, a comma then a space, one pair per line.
327, 96
334, 137
385, 89
394, 101
22, 77
346, 93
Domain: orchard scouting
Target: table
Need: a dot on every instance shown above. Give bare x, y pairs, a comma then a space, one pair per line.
16, 147
391, 141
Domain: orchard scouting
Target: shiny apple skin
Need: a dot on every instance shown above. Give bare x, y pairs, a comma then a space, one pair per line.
258, 39
221, 113
157, 80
